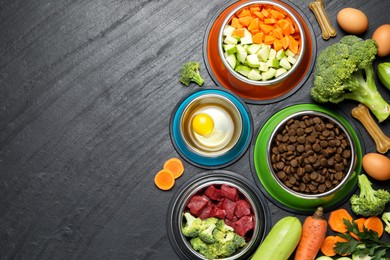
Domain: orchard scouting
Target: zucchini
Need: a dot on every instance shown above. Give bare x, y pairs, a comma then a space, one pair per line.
281, 241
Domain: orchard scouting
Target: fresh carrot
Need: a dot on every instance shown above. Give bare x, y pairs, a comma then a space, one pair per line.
336, 222
327, 247
164, 179
313, 235
360, 223
175, 165
374, 223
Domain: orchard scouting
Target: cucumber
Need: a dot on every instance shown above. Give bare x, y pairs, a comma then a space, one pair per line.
281, 241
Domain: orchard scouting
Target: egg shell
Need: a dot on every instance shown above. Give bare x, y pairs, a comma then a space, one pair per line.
352, 20
377, 166
382, 38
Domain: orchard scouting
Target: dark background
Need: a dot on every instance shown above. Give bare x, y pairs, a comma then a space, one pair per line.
87, 89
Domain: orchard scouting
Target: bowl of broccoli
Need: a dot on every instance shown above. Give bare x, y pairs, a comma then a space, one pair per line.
261, 43
217, 215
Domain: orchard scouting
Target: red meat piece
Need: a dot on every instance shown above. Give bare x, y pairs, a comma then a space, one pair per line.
206, 212
242, 208
213, 193
197, 203
229, 192
229, 207
243, 225
218, 213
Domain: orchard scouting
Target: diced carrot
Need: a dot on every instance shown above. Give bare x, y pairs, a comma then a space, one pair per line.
269, 39
278, 33
245, 20
293, 45
277, 15
239, 32
244, 12
254, 24
286, 29
277, 45
254, 31
260, 15
254, 8
270, 20
258, 38
266, 28
236, 23
266, 13
285, 42
282, 22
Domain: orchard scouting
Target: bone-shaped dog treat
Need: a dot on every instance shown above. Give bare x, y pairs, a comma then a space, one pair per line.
323, 20
382, 141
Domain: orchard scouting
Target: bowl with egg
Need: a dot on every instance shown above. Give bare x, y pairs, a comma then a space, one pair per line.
211, 128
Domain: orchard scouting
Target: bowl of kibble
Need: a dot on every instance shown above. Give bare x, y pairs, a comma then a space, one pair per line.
307, 156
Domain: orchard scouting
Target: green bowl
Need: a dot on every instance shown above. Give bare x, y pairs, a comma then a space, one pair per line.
282, 196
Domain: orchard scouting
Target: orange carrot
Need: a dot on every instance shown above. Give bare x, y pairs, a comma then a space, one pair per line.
327, 247
266, 28
359, 222
336, 222
175, 165
245, 20
313, 235
254, 24
277, 15
260, 15
374, 223
164, 179
258, 38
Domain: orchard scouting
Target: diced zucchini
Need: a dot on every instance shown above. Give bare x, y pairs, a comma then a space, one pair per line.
263, 54
228, 30
280, 54
253, 60
230, 40
253, 48
243, 70
254, 74
285, 64
241, 53
274, 63
230, 48
263, 66
289, 53
280, 72
247, 39
272, 54
291, 59
268, 74
231, 59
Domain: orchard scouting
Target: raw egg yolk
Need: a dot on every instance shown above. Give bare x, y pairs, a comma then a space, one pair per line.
203, 124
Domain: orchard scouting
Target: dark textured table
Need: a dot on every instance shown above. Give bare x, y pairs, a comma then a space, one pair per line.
87, 89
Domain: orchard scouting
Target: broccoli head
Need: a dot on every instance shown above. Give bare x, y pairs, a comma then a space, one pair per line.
207, 233
193, 225
223, 227
200, 246
386, 219
370, 202
190, 72
223, 237
239, 241
345, 70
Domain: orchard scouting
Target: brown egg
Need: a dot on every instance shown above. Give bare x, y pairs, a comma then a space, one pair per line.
352, 20
377, 166
382, 38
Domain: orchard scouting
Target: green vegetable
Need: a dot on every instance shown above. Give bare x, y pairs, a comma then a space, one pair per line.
344, 70
281, 241
384, 73
386, 219
324, 258
190, 72
370, 202
211, 237
367, 245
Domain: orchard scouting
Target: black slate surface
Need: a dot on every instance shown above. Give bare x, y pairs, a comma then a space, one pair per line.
86, 93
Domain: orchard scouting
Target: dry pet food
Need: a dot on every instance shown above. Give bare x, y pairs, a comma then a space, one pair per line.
310, 154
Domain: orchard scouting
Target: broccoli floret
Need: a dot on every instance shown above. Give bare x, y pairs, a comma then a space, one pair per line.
223, 237
386, 219
190, 72
200, 246
344, 70
207, 233
370, 202
239, 241
226, 249
223, 227
193, 226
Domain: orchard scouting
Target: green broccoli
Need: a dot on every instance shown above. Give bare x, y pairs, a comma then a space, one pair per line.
190, 72
239, 241
223, 227
370, 202
222, 237
193, 226
344, 70
386, 219
207, 233
200, 246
